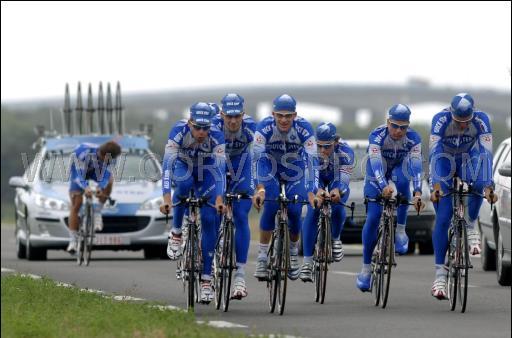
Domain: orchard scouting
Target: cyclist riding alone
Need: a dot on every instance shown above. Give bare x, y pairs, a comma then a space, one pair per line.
90, 162
394, 154
461, 143
195, 159
336, 160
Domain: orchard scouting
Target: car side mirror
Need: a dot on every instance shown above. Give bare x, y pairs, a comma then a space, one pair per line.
504, 171
18, 182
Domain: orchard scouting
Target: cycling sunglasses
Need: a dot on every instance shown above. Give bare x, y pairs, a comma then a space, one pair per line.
324, 145
199, 127
399, 126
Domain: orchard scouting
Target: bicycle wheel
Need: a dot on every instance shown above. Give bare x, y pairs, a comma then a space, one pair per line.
317, 259
89, 237
191, 268
284, 265
79, 248
275, 247
453, 271
464, 268
388, 263
377, 266
324, 264
227, 265
217, 269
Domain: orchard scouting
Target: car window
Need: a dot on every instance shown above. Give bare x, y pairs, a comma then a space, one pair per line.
499, 161
501, 151
133, 165
507, 160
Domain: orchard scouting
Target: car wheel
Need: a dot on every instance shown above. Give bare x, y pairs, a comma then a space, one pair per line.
503, 270
488, 255
34, 254
155, 252
21, 250
426, 248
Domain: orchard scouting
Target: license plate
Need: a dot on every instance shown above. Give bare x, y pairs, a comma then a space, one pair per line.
110, 240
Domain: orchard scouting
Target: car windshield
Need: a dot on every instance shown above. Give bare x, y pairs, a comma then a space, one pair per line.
133, 165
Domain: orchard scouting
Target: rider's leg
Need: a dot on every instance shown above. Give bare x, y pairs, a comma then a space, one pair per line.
74, 220
182, 176
371, 224
338, 216
443, 169
401, 177
242, 183
267, 220
309, 230
478, 174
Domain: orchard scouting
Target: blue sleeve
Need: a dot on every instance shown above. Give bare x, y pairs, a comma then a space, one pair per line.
78, 166
485, 146
105, 179
171, 154
345, 167
219, 153
374, 153
439, 123
311, 155
415, 162
260, 161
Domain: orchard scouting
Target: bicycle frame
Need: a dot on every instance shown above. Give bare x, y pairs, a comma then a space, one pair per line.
189, 267
383, 258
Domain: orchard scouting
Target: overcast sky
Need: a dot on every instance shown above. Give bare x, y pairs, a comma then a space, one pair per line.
158, 46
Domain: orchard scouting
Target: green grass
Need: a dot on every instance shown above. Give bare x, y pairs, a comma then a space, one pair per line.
40, 308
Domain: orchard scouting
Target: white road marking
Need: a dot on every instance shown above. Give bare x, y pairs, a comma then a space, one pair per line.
126, 298
221, 324
347, 273
30, 276
7, 270
167, 307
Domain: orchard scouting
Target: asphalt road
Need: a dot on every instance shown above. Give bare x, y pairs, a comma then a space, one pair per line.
411, 311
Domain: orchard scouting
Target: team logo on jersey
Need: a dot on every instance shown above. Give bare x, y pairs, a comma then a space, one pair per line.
259, 139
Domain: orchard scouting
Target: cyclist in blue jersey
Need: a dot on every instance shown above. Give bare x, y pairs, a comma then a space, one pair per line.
195, 159
394, 154
284, 146
238, 131
461, 143
336, 160
90, 162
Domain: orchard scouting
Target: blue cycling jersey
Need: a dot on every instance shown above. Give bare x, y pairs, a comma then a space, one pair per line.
182, 146
239, 142
447, 139
336, 170
88, 166
287, 150
385, 153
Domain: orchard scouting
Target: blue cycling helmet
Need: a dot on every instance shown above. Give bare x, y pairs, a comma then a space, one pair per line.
285, 103
462, 107
326, 132
232, 104
215, 108
201, 113
399, 112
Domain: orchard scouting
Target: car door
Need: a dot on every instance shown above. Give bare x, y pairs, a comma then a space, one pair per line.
485, 217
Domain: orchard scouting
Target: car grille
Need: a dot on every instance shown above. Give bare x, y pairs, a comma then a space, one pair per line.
122, 224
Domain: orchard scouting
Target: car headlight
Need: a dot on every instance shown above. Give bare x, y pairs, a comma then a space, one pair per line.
152, 204
50, 203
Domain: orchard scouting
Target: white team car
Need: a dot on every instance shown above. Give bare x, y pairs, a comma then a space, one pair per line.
134, 222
